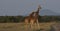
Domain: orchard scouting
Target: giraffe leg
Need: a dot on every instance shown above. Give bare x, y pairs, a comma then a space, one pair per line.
26, 21
31, 23
26, 24
38, 24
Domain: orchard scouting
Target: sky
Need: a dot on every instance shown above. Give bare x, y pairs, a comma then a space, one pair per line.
24, 7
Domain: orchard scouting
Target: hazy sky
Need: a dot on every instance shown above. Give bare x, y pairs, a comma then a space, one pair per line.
24, 7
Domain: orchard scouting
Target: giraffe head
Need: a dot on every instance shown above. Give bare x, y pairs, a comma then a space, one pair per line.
39, 7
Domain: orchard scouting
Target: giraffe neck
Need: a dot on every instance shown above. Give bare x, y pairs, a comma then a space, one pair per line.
39, 7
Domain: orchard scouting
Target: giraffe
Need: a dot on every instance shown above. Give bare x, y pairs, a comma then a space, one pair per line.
33, 17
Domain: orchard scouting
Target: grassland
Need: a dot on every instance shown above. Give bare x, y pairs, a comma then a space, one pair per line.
23, 27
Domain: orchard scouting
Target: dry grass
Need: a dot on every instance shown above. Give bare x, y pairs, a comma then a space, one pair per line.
22, 26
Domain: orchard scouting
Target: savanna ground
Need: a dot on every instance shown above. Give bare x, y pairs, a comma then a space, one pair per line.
22, 27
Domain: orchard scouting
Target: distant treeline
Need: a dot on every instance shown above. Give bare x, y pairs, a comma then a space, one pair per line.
11, 19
